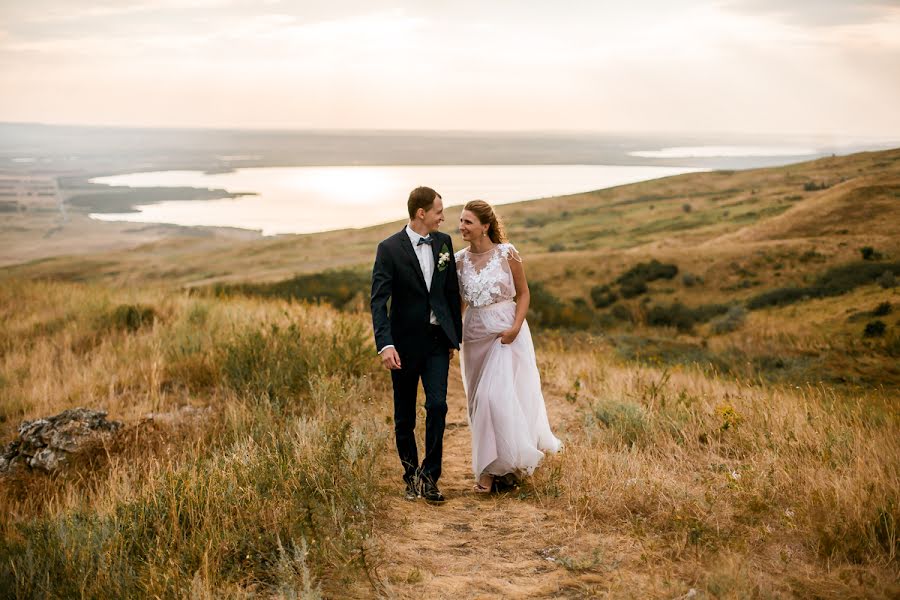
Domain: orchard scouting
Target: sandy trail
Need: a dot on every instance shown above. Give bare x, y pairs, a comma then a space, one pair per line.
511, 545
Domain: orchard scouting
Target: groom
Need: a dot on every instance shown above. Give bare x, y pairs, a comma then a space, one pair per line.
415, 269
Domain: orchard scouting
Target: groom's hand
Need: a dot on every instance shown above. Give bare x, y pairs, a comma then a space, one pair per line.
390, 359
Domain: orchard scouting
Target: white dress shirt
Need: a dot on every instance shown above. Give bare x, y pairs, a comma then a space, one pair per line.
426, 261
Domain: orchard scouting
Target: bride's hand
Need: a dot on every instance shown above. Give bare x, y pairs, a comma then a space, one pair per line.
509, 336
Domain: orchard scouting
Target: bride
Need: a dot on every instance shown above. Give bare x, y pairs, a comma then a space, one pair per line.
507, 416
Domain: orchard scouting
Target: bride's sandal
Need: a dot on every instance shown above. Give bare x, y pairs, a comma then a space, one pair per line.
479, 488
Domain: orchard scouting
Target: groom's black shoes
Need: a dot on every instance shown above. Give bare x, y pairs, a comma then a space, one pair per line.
429, 490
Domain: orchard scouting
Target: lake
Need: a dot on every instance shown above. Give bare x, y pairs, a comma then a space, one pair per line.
311, 199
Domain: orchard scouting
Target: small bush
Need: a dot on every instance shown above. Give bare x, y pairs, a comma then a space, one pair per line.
546, 310
682, 317
556, 247
337, 288
690, 280
620, 312
842, 279
730, 321
649, 271
869, 253
603, 296
675, 315
131, 317
834, 282
814, 186
277, 363
882, 309
778, 297
627, 420
633, 282
887, 280
634, 288
874, 329
687, 207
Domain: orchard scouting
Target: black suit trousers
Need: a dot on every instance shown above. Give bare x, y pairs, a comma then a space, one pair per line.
432, 369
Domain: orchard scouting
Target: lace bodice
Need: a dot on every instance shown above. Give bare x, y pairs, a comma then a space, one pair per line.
485, 277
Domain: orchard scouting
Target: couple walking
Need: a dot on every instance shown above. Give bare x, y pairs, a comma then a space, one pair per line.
419, 289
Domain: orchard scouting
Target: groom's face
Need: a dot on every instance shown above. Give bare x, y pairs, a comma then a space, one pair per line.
435, 215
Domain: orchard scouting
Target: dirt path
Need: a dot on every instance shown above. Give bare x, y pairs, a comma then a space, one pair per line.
512, 545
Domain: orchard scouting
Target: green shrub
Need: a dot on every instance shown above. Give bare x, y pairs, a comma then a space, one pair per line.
633, 288
690, 280
633, 282
546, 310
556, 247
277, 363
833, 282
813, 186
874, 329
626, 420
730, 321
882, 309
779, 297
682, 317
620, 312
131, 317
650, 271
845, 278
869, 253
603, 296
675, 315
337, 288
887, 280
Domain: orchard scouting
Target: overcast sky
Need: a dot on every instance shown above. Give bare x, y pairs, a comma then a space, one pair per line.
821, 66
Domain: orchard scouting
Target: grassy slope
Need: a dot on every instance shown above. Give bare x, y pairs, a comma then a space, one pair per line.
282, 479
725, 484
746, 232
607, 229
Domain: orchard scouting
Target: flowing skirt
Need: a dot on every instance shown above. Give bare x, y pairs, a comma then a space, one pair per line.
507, 415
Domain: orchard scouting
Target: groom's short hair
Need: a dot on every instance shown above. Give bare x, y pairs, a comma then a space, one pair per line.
421, 197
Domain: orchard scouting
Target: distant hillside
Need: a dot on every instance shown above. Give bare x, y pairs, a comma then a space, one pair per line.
760, 245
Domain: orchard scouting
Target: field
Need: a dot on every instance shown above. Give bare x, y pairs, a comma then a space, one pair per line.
710, 355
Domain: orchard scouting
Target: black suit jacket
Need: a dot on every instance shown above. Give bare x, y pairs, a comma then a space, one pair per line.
397, 276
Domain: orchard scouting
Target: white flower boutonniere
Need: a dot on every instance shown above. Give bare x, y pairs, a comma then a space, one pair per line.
443, 257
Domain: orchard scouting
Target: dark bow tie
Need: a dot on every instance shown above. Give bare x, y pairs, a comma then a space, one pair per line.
427, 240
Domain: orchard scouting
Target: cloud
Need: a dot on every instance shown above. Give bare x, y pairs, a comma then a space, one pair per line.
817, 13
652, 65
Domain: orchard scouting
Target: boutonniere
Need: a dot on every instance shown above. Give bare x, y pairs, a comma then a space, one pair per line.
443, 257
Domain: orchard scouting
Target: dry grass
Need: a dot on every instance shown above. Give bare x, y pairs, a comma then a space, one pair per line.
741, 488
733, 487
706, 462
267, 489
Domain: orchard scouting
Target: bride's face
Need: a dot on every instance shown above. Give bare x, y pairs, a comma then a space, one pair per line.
469, 226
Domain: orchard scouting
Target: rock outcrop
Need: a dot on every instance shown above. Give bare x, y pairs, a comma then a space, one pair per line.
49, 444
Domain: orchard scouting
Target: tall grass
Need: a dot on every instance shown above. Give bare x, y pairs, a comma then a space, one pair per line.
699, 469
273, 490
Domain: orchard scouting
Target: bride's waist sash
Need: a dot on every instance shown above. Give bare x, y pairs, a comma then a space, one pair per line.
494, 306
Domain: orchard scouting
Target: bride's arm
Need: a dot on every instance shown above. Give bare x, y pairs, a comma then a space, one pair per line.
523, 299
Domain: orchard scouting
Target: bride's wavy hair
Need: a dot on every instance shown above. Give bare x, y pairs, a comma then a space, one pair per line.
486, 216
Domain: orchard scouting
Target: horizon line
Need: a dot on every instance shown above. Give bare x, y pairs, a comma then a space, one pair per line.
403, 130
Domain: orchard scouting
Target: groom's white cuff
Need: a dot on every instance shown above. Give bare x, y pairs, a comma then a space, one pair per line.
385, 348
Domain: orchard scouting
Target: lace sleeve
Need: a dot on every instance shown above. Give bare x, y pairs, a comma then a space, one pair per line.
510, 253
459, 257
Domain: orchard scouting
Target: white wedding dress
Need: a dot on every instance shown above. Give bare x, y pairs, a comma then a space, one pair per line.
507, 416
